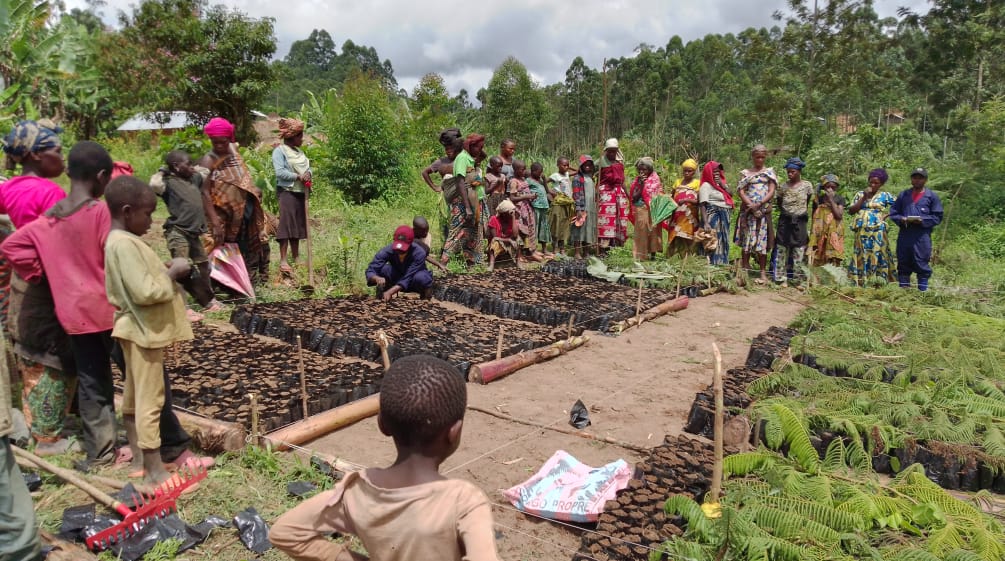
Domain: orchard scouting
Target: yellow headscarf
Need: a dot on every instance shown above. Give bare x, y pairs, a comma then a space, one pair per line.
690, 164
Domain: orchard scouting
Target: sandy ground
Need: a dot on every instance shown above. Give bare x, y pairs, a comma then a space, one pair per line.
639, 387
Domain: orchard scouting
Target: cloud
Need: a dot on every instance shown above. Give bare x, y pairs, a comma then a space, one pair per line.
465, 41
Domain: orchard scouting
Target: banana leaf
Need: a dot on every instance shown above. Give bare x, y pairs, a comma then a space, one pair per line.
661, 208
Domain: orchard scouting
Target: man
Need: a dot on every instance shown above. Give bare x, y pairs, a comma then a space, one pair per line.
917, 210
400, 267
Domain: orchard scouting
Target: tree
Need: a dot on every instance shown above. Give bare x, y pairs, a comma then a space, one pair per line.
176, 55
514, 106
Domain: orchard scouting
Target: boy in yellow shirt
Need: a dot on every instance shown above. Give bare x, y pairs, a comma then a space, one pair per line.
149, 316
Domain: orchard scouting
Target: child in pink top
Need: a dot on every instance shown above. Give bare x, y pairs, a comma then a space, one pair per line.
67, 247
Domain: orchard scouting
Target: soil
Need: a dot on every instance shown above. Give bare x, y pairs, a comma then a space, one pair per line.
638, 387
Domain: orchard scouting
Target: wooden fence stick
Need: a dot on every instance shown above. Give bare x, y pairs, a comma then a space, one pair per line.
303, 377
563, 430
638, 303
255, 432
383, 342
716, 483
499, 342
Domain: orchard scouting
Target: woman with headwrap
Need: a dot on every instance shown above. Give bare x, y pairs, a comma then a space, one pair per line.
648, 238
827, 236
612, 206
686, 220
715, 205
756, 189
792, 233
452, 143
42, 347
234, 201
293, 186
873, 255
460, 192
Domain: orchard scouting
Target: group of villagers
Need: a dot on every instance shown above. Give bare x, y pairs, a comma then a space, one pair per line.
512, 210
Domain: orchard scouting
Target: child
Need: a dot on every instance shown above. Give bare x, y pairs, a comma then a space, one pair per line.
420, 228
540, 205
495, 184
400, 267
521, 196
407, 511
45, 361
66, 247
563, 207
150, 316
503, 234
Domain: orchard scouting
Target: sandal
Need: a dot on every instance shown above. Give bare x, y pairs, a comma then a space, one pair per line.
172, 483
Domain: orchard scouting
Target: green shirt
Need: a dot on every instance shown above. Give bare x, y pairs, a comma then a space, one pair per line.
462, 162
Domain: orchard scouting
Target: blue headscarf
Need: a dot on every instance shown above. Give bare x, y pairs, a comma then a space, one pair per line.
880, 174
29, 137
794, 163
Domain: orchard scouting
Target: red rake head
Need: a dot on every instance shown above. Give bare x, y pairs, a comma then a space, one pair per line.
146, 508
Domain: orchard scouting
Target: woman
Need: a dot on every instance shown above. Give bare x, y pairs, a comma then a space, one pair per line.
756, 188
827, 236
873, 256
459, 193
234, 202
583, 231
647, 240
686, 219
715, 204
612, 208
503, 234
293, 184
792, 233
506, 153
452, 144
41, 346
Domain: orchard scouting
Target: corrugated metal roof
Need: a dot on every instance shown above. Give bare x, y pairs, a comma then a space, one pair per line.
162, 120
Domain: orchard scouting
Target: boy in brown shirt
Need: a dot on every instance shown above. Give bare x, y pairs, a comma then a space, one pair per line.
407, 511
149, 316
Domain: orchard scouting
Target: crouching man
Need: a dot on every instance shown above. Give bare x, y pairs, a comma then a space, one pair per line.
400, 267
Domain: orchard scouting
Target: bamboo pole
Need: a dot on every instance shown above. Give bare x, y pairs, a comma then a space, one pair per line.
638, 303
26, 463
303, 377
255, 432
324, 423
563, 430
493, 370
716, 485
499, 342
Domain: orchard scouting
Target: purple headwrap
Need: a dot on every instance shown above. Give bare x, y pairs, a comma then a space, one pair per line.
218, 127
880, 174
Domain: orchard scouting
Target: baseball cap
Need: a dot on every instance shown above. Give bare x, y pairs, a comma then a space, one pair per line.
403, 238
920, 171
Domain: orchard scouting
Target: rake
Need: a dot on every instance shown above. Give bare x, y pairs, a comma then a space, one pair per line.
145, 508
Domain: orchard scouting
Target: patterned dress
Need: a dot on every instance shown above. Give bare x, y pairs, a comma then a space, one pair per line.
612, 209
524, 214
685, 220
873, 256
754, 232
827, 235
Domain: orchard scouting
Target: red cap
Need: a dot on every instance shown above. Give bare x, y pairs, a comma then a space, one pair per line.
403, 238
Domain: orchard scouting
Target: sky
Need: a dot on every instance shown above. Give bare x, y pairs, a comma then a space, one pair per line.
465, 41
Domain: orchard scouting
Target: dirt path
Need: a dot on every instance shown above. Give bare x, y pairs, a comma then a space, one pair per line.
639, 387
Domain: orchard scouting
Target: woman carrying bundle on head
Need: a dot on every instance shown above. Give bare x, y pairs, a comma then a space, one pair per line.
235, 211
293, 184
686, 220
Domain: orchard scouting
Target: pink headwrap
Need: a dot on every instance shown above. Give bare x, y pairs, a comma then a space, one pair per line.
218, 127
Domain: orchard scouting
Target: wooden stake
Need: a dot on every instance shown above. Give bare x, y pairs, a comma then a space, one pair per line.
256, 434
568, 330
303, 377
678, 287
638, 303
383, 342
563, 430
716, 484
499, 342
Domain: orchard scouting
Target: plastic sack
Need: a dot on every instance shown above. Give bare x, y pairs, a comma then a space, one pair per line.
569, 490
300, 488
227, 268
579, 417
254, 531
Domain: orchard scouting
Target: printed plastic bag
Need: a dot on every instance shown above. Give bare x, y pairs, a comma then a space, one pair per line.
227, 268
569, 490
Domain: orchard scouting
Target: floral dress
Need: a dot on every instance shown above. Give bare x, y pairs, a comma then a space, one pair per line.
524, 213
873, 255
754, 232
686, 220
827, 234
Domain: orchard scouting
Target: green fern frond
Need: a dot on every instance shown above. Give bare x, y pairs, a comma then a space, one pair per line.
994, 442
685, 551
697, 523
963, 555
857, 458
841, 521
909, 554
798, 438
945, 539
791, 525
746, 463
835, 455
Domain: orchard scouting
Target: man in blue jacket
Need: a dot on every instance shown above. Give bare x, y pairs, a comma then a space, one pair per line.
917, 210
400, 267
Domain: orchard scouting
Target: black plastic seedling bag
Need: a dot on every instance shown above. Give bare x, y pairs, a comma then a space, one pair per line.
33, 481
579, 417
300, 488
254, 531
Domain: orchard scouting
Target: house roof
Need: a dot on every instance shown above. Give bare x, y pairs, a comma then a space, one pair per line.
162, 120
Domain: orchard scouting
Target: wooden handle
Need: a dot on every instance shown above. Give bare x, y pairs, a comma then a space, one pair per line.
73, 479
